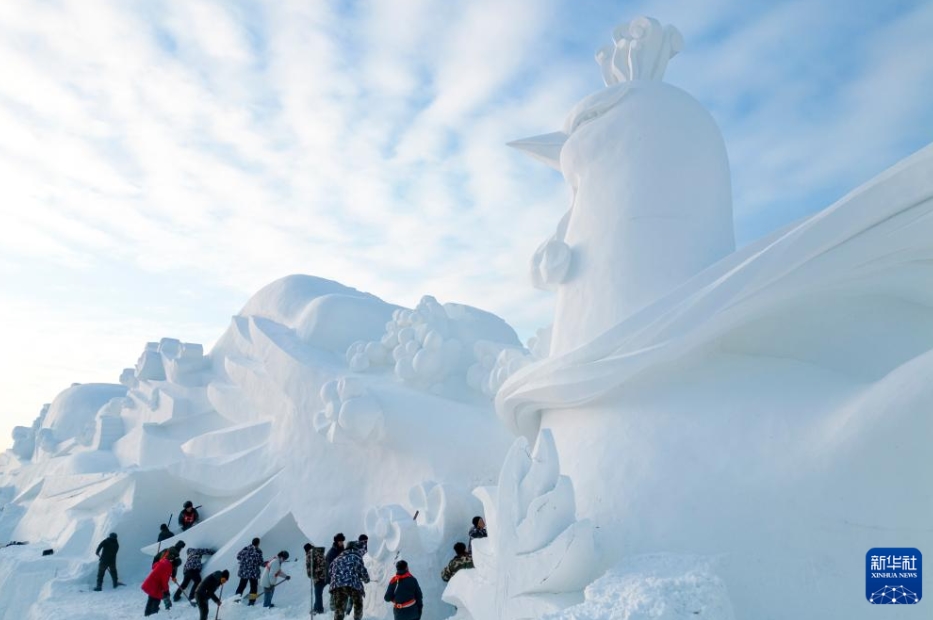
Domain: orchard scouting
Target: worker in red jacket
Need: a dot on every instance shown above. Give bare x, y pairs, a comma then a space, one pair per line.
156, 584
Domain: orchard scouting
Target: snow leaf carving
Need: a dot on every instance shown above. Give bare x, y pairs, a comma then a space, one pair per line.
538, 557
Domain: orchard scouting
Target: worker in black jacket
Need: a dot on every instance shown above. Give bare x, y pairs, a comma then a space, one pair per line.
207, 590
164, 532
405, 594
107, 552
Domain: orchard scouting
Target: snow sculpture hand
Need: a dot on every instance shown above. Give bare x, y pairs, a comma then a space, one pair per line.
550, 264
350, 413
537, 558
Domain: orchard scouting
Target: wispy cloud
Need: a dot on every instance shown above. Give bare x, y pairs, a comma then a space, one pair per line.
168, 159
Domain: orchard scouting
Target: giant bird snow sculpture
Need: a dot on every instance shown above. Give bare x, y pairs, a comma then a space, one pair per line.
741, 404
651, 195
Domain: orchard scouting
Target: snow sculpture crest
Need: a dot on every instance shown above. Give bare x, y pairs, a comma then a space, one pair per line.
640, 51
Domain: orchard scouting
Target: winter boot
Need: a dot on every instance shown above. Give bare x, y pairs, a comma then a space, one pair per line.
98, 589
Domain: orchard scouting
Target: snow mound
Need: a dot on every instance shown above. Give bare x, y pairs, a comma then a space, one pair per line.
284, 300
654, 587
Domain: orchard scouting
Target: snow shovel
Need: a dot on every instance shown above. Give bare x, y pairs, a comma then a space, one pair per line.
220, 597
193, 604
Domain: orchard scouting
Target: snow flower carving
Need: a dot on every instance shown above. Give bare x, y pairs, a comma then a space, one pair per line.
538, 557
416, 342
350, 412
497, 362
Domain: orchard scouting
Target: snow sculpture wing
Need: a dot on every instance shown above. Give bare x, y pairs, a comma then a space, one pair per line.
866, 257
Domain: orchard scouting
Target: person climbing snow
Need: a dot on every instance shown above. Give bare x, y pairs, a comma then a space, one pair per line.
192, 572
250, 560
207, 591
270, 577
405, 594
347, 576
188, 517
317, 572
461, 560
156, 584
107, 552
164, 532
477, 531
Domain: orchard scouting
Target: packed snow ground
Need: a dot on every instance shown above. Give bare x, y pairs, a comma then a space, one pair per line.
658, 587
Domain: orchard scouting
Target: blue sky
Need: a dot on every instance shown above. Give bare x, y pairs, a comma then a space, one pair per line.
161, 161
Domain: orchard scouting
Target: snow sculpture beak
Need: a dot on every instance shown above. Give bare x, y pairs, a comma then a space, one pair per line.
545, 148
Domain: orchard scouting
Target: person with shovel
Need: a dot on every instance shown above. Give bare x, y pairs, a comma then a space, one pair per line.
192, 572
270, 577
207, 589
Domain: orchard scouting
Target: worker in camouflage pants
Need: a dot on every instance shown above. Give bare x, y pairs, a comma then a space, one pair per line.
347, 576
339, 597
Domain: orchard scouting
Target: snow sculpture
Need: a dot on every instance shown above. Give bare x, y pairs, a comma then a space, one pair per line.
416, 341
431, 346
651, 190
24, 442
149, 366
110, 423
537, 557
350, 412
71, 417
497, 362
422, 533
742, 409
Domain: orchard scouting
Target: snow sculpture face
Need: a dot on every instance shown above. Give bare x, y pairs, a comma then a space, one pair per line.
651, 190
